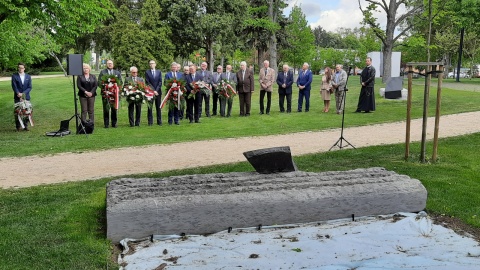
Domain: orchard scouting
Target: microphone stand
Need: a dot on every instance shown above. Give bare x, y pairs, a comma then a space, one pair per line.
342, 139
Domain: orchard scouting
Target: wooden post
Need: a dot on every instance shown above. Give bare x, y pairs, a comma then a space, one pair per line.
437, 114
425, 113
409, 112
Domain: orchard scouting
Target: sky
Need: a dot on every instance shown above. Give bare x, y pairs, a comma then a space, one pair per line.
330, 14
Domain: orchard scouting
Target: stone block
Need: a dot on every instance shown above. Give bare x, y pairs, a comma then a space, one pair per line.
271, 160
203, 204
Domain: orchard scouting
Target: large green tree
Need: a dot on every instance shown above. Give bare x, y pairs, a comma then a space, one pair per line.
396, 26
301, 39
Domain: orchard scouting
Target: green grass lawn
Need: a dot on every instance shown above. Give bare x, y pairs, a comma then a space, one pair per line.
52, 99
62, 226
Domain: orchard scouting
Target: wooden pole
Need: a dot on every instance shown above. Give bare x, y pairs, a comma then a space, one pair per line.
437, 114
409, 112
426, 95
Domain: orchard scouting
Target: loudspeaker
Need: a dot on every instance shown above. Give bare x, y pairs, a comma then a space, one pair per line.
75, 64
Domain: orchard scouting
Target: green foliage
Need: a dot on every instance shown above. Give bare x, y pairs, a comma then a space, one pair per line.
301, 48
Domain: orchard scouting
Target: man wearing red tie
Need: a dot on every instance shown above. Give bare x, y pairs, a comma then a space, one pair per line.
154, 80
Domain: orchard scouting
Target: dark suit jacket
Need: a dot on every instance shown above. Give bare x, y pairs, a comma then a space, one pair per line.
232, 77
305, 79
87, 86
368, 76
208, 76
247, 85
115, 72
129, 79
19, 87
190, 81
288, 82
155, 83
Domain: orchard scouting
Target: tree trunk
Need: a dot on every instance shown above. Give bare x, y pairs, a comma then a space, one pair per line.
209, 54
272, 13
261, 55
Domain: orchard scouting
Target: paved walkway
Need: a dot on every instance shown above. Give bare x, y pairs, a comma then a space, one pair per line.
117, 162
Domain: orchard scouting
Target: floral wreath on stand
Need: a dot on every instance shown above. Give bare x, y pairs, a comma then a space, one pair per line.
226, 89
110, 90
175, 94
137, 93
200, 86
23, 111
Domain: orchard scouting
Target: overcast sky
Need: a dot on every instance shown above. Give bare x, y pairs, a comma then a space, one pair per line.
330, 14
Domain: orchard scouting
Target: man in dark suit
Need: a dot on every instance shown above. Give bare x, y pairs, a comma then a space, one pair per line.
304, 83
154, 80
21, 85
216, 78
231, 77
137, 106
193, 104
107, 109
366, 100
245, 88
285, 82
207, 78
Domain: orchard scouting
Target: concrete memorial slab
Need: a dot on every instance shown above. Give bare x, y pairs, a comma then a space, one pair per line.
203, 204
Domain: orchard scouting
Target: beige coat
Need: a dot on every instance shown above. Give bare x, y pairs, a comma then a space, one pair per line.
266, 81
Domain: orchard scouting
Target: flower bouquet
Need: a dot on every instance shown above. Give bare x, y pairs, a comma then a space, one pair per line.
200, 86
134, 92
174, 96
226, 89
110, 90
149, 93
23, 112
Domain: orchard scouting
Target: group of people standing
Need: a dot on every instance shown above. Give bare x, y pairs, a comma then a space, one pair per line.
333, 83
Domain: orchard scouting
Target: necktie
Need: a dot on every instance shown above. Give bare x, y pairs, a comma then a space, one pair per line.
193, 76
153, 73
109, 72
243, 75
285, 78
203, 73
265, 72
135, 79
228, 76
175, 75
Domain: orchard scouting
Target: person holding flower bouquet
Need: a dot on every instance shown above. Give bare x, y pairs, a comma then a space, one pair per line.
110, 95
230, 78
174, 99
134, 102
21, 85
194, 95
87, 90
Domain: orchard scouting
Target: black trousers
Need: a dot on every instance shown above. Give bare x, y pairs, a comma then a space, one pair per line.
203, 96
109, 110
193, 107
224, 103
215, 102
281, 102
157, 100
138, 112
262, 98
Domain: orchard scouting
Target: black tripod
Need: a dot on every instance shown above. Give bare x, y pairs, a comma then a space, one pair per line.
79, 127
340, 140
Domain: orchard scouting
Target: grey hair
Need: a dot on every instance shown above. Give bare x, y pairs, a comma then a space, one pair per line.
339, 65
132, 68
243, 63
285, 65
174, 64
306, 64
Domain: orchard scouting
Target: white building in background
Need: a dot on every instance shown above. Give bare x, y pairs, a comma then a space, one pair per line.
377, 62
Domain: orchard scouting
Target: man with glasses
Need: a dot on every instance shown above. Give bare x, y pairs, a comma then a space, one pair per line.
21, 85
134, 79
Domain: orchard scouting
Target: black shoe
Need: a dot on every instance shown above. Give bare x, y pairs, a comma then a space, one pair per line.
367, 112
170, 123
306, 110
106, 126
114, 126
191, 121
176, 123
299, 110
150, 125
261, 112
357, 111
247, 114
26, 129
213, 114
268, 113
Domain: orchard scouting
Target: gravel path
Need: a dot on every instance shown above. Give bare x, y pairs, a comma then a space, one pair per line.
116, 162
